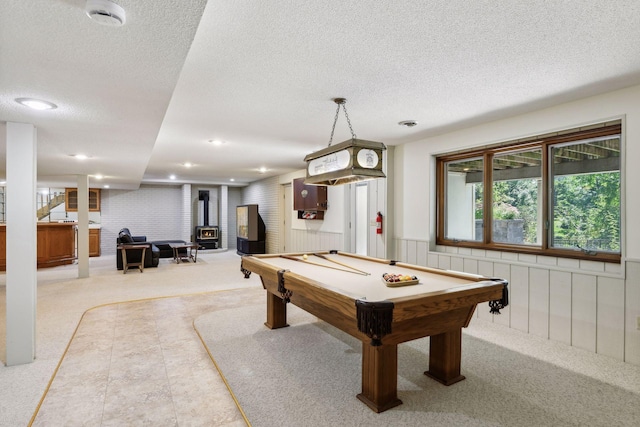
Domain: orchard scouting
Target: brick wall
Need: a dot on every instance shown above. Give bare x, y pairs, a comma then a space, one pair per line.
154, 211
267, 195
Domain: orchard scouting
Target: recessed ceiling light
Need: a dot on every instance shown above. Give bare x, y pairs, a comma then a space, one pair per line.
106, 186
98, 176
216, 141
262, 170
80, 156
187, 165
36, 104
408, 123
232, 180
172, 177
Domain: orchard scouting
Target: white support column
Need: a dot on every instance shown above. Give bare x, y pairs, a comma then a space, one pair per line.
83, 226
21, 245
224, 217
187, 226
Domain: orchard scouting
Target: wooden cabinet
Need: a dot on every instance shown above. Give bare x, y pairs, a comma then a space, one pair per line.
71, 199
94, 242
309, 200
56, 244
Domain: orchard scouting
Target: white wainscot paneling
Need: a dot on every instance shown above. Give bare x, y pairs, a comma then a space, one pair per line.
444, 262
594, 266
503, 271
583, 312
412, 252
470, 266
432, 260
560, 306
632, 310
613, 268
451, 249
331, 241
422, 251
539, 302
484, 268
480, 253
401, 250
509, 256
309, 241
610, 329
457, 263
464, 251
570, 263
520, 298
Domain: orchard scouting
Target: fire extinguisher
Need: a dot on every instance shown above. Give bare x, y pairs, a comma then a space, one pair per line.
379, 223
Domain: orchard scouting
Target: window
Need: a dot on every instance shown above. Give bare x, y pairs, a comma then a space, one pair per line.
586, 195
516, 207
556, 195
464, 197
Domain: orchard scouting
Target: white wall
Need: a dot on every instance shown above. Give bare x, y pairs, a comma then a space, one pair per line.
266, 194
591, 305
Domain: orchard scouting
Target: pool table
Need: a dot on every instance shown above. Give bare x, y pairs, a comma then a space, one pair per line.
348, 292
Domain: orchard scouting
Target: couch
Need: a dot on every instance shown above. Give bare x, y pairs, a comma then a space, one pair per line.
158, 249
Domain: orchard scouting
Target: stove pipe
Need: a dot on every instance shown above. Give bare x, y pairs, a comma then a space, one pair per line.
204, 196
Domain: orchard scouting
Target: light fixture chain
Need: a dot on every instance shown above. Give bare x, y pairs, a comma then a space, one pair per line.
335, 120
353, 134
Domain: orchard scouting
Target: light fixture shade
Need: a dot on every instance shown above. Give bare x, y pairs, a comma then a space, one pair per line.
349, 161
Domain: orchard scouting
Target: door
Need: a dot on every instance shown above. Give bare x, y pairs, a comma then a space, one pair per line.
362, 218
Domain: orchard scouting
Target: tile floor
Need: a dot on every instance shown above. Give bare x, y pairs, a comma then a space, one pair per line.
142, 363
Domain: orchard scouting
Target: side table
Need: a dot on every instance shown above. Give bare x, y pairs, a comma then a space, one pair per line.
126, 264
184, 251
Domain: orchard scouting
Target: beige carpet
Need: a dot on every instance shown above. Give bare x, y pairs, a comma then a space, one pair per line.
309, 375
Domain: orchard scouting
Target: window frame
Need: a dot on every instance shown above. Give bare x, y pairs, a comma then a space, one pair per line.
544, 142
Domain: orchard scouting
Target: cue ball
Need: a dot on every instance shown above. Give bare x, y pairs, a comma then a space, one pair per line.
304, 256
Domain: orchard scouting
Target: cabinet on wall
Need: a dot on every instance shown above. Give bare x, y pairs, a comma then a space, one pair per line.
71, 199
309, 200
94, 242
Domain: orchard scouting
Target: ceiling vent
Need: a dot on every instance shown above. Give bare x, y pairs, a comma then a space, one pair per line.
105, 12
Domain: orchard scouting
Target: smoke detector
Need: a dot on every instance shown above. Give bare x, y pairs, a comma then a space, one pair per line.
105, 12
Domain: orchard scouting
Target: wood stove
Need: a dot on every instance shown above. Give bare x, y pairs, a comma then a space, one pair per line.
206, 236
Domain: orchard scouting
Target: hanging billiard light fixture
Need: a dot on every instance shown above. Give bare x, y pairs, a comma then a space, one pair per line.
349, 161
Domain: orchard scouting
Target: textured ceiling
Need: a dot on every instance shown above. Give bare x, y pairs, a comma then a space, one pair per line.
145, 98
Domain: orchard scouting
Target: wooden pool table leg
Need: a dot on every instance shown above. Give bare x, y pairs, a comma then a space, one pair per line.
445, 352
379, 377
276, 312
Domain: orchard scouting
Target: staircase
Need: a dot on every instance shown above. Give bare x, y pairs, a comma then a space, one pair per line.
53, 203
